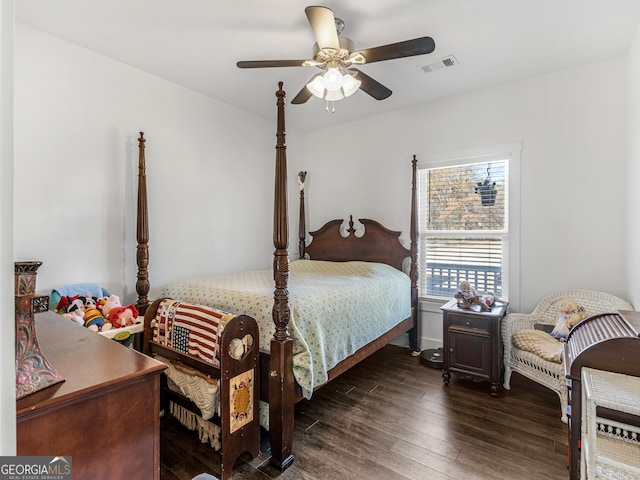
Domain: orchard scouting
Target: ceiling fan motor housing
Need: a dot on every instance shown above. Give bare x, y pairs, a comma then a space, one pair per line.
324, 55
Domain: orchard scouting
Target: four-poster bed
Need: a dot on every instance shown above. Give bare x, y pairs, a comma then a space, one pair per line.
378, 253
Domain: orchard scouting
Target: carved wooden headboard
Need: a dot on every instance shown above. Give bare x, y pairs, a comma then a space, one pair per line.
376, 244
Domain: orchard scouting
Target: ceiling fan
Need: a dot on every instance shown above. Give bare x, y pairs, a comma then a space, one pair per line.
336, 56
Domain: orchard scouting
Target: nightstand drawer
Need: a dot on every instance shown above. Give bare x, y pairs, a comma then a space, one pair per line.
470, 321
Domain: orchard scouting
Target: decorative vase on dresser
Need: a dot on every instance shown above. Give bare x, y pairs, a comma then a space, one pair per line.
33, 370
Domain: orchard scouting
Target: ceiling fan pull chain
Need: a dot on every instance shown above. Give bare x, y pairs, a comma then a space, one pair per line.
333, 106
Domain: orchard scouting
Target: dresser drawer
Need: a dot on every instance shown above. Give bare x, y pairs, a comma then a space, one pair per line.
469, 321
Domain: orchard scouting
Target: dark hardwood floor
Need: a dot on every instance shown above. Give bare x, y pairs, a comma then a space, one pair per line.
391, 417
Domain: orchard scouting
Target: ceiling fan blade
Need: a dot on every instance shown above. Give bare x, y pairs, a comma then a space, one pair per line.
408, 48
302, 96
323, 24
371, 86
271, 63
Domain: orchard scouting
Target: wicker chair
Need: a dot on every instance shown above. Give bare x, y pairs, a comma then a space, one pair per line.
534, 367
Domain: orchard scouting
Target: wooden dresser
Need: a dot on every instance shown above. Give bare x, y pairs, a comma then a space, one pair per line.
105, 415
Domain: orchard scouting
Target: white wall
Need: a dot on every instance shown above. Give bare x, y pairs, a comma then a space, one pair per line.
209, 172
573, 167
633, 177
7, 340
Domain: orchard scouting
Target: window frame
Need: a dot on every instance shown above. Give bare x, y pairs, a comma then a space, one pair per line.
512, 153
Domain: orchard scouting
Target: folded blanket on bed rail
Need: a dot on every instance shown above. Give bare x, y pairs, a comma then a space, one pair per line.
191, 329
202, 391
205, 393
336, 308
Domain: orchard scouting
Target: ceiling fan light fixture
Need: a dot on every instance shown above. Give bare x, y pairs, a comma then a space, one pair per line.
334, 95
333, 79
350, 85
316, 86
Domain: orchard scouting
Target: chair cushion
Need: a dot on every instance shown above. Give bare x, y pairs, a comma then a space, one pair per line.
539, 343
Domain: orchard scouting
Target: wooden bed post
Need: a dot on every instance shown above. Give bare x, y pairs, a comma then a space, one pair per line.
142, 233
413, 233
281, 381
302, 227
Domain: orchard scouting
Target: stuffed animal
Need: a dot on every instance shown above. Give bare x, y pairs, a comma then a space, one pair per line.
83, 311
77, 316
569, 313
67, 304
123, 316
90, 302
94, 320
110, 302
72, 308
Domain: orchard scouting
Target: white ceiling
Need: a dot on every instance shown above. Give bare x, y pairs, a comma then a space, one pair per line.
196, 43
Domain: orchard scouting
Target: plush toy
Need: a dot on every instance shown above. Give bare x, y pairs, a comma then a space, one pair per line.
94, 320
110, 302
72, 308
67, 304
82, 310
92, 317
123, 316
100, 303
90, 302
77, 316
569, 313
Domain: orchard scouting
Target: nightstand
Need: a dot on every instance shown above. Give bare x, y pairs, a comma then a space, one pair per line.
472, 343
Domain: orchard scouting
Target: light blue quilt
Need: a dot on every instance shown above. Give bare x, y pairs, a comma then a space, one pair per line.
336, 308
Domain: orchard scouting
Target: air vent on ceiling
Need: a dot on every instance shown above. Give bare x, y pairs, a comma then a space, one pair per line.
448, 61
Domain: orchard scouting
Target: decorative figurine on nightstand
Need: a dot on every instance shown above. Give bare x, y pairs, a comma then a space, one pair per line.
467, 297
33, 370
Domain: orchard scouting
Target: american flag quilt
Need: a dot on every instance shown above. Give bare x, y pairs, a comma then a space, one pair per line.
190, 329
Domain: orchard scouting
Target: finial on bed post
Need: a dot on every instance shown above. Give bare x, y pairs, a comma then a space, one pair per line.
302, 227
142, 232
413, 233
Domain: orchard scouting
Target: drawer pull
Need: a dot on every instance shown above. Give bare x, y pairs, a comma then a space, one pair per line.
467, 323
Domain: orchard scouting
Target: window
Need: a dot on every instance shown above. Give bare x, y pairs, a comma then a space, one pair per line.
464, 228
